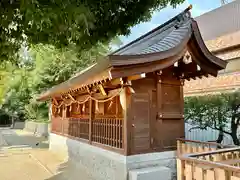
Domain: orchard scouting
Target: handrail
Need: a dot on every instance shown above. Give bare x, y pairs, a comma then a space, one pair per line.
192, 158
213, 152
201, 142
209, 163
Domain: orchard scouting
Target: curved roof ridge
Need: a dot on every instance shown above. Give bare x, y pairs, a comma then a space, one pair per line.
170, 23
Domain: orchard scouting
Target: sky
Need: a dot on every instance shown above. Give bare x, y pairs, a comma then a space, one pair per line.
159, 17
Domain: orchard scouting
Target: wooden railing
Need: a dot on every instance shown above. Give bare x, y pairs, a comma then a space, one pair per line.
222, 164
185, 146
79, 128
108, 132
104, 131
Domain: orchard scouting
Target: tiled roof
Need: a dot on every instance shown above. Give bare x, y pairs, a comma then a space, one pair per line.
162, 38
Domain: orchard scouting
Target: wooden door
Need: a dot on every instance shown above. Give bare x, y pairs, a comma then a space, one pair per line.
140, 138
167, 122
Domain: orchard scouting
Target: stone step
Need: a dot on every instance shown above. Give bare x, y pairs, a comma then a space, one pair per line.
151, 173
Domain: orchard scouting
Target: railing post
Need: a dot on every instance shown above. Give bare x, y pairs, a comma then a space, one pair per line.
125, 100
91, 118
180, 169
179, 148
63, 117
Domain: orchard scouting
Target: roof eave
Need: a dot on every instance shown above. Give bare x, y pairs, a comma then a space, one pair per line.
76, 80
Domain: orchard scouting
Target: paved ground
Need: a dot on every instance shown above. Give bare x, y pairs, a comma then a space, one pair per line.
26, 157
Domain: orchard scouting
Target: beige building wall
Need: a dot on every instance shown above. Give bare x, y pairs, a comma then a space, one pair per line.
228, 48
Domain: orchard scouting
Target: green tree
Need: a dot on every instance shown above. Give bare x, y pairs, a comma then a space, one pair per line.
64, 22
42, 67
219, 111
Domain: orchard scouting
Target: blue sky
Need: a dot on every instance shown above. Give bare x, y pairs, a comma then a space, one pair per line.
159, 17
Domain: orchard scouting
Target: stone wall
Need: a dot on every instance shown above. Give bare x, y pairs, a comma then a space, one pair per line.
93, 163
40, 129
18, 125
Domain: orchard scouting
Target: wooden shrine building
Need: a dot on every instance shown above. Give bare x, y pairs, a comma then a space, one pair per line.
131, 102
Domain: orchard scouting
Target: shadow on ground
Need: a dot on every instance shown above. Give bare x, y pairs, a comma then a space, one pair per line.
70, 169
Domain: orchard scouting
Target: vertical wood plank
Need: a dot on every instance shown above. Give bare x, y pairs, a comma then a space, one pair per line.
105, 131
115, 132
101, 137
189, 171
220, 174
195, 150
111, 130
117, 106
183, 149
198, 175
179, 146
210, 175
180, 170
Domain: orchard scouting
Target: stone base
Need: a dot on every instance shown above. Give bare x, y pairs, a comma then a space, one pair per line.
93, 163
151, 173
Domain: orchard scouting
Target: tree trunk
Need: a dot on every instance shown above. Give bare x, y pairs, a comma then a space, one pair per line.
235, 139
220, 136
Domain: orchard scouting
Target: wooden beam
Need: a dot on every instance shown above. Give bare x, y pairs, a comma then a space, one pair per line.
116, 81
55, 101
130, 70
135, 77
194, 75
98, 95
102, 90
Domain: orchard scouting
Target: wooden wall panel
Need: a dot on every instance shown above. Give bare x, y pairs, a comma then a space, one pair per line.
171, 99
141, 106
169, 123
140, 127
171, 128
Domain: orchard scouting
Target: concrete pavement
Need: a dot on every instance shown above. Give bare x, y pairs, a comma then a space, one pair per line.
26, 157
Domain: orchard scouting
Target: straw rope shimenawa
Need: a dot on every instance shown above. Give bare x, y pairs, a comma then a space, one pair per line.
88, 97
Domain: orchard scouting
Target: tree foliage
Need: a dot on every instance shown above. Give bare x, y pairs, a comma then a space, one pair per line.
43, 67
64, 22
219, 111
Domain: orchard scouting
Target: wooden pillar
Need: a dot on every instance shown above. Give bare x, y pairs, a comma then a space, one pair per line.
63, 117
50, 112
159, 108
125, 100
182, 107
91, 118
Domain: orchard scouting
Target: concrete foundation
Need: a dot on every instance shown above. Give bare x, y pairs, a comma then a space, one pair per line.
93, 163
